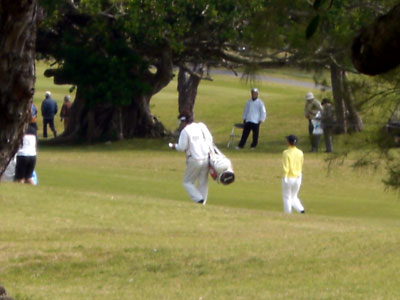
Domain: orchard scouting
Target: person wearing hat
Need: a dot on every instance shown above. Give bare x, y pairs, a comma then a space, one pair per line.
292, 160
254, 114
328, 122
196, 141
312, 110
49, 110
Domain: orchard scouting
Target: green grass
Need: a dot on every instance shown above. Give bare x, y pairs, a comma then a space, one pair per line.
112, 221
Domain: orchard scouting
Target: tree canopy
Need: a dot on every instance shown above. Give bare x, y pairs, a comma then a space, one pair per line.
119, 53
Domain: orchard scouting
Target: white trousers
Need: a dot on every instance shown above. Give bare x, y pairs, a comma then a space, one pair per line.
290, 190
196, 170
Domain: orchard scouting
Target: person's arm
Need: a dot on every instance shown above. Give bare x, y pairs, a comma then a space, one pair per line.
263, 115
245, 110
285, 165
319, 105
306, 112
183, 141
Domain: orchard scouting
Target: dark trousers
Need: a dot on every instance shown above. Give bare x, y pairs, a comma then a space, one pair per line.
314, 138
248, 126
25, 167
328, 132
51, 124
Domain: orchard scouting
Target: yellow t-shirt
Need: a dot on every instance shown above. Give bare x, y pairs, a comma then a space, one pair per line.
293, 159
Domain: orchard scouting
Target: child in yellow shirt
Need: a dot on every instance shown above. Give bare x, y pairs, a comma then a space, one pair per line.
292, 160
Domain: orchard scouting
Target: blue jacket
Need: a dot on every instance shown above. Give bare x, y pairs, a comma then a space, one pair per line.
49, 108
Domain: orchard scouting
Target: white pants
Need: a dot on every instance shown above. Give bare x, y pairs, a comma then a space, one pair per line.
196, 170
290, 189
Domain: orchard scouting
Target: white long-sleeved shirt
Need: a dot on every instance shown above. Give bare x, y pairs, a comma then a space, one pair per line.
196, 140
254, 111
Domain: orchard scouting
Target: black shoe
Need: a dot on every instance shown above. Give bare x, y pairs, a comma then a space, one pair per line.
200, 201
303, 212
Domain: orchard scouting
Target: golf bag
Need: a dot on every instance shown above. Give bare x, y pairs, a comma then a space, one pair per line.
220, 167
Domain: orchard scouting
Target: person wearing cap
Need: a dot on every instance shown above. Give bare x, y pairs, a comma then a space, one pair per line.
65, 109
312, 110
49, 110
196, 141
292, 160
254, 114
328, 122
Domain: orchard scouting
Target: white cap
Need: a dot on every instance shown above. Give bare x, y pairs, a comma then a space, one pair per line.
47, 93
254, 90
309, 96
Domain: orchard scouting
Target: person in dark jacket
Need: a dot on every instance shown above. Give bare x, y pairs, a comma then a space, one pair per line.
49, 110
328, 122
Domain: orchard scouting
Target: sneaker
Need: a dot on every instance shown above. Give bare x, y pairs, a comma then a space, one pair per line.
303, 212
237, 148
200, 201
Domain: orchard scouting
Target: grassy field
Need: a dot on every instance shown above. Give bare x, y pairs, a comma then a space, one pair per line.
112, 221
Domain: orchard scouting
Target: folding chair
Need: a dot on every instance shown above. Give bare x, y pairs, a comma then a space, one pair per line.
232, 135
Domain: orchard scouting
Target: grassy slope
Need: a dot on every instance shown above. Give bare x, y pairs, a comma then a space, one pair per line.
113, 221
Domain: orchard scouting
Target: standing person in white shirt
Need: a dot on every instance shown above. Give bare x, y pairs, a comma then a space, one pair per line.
254, 114
196, 141
26, 157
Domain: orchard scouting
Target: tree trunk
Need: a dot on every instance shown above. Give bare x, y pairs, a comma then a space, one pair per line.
188, 83
18, 25
356, 123
337, 91
105, 122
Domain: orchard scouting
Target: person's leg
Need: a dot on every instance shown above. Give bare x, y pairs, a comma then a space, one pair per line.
295, 188
30, 167
287, 206
245, 134
310, 131
20, 169
191, 175
45, 121
310, 127
315, 142
256, 131
202, 181
51, 123
328, 140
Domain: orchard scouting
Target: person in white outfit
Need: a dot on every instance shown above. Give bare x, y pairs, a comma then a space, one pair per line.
26, 157
254, 114
196, 141
292, 160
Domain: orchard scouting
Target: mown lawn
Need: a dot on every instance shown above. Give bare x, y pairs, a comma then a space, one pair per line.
112, 221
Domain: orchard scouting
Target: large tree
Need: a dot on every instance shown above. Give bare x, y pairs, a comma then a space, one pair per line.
375, 51
330, 27
119, 54
18, 24
376, 46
